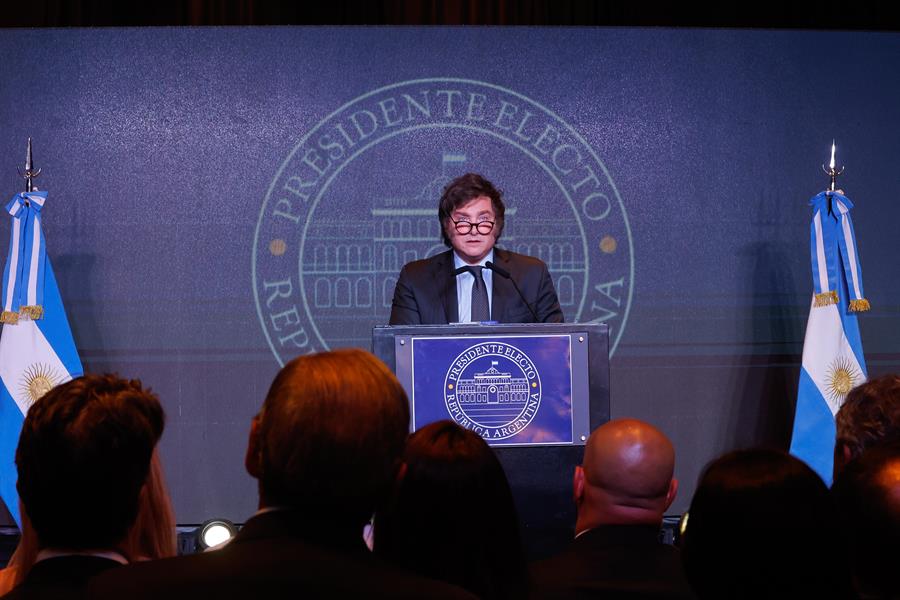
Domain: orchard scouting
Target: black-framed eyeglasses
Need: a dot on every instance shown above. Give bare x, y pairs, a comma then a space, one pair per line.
465, 227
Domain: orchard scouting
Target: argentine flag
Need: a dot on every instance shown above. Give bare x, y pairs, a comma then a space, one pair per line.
37, 350
833, 361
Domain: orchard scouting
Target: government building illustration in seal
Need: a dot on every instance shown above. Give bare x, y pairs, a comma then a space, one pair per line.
357, 198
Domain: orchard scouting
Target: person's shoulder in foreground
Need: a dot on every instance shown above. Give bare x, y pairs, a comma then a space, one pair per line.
270, 558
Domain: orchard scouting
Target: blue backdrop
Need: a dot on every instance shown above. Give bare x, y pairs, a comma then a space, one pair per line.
224, 199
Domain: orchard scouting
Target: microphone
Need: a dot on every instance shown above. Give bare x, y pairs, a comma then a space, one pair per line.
505, 275
499, 271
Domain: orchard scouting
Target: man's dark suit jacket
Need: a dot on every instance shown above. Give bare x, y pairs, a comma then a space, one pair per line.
279, 554
426, 291
63, 577
613, 561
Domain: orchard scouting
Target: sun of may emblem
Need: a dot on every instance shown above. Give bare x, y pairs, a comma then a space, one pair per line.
37, 380
841, 378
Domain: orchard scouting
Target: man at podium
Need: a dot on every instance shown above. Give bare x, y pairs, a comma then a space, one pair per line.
474, 281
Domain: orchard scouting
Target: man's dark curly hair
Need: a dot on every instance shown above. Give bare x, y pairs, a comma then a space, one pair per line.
463, 189
870, 415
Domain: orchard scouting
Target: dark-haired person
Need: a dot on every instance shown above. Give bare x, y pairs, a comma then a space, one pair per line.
153, 534
867, 498
759, 526
452, 516
456, 286
870, 415
83, 459
325, 450
622, 490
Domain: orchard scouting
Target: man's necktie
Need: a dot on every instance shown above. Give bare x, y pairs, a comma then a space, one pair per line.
480, 308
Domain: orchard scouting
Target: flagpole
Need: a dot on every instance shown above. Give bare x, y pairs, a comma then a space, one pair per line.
833, 172
30, 172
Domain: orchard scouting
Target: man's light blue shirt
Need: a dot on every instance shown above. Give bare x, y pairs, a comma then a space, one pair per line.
464, 283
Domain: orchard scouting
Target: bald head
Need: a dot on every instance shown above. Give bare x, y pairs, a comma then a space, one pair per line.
626, 475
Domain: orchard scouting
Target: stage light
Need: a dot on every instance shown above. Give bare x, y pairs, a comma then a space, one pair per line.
215, 532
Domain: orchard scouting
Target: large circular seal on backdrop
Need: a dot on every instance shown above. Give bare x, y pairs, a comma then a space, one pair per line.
357, 198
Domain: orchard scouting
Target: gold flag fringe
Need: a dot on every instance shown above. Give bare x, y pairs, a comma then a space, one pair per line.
33, 312
861, 305
826, 298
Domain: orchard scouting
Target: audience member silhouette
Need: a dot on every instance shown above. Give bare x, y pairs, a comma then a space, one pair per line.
452, 516
867, 496
83, 459
759, 527
870, 415
325, 450
621, 491
153, 534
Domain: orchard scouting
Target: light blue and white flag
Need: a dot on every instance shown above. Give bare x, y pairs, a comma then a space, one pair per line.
833, 361
37, 350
